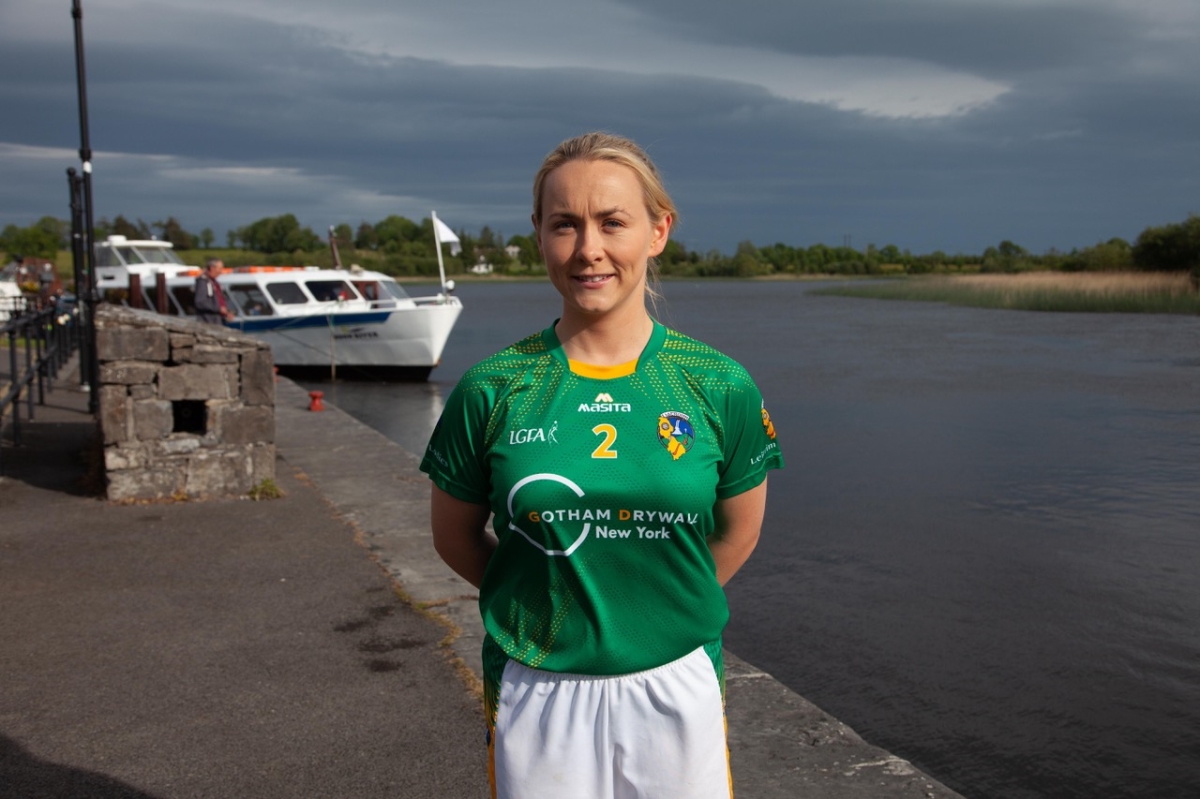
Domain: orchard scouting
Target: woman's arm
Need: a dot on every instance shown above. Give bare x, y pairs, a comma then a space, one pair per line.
739, 520
460, 535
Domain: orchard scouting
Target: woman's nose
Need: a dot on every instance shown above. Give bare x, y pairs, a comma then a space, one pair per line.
589, 248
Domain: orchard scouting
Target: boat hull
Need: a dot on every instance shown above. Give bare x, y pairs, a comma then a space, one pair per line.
406, 341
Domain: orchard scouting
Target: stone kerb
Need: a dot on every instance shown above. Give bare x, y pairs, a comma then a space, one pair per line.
186, 409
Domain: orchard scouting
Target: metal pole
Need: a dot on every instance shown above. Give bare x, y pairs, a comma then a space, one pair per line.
85, 155
12, 365
27, 329
77, 250
437, 241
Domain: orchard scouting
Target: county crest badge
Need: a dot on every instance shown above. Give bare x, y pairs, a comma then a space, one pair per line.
767, 424
675, 433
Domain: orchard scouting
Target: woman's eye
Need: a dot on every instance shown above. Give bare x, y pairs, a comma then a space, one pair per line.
613, 223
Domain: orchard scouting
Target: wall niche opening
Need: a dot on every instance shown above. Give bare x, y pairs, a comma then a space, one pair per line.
191, 416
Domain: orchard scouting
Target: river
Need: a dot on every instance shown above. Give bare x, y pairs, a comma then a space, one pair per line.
984, 552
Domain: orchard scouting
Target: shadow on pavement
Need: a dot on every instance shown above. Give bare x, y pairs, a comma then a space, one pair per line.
24, 775
59, 448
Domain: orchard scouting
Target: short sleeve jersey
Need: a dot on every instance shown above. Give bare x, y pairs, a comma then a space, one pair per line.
603, 493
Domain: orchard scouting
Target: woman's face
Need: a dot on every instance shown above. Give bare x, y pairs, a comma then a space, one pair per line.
596, 237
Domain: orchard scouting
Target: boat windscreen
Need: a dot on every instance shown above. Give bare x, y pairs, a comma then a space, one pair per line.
331, 290
287, 293
153, 255
107, 256
394, 289
250, 300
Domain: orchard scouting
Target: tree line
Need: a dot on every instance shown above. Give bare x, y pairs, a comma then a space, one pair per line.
399, 246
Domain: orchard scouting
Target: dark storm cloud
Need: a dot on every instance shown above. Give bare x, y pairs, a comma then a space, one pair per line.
992, 39
221, 118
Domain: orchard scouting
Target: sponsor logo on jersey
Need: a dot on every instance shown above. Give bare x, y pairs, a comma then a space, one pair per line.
604, 403
529, 435
554, 530
439, 457
770, 428
675, 433
768, 448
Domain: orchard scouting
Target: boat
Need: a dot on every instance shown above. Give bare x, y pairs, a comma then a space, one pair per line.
348, 322
12, 300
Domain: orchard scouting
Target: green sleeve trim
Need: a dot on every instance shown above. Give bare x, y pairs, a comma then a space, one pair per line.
457, 490
746, 483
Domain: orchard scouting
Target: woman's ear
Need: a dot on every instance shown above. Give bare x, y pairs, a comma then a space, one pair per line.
662, 232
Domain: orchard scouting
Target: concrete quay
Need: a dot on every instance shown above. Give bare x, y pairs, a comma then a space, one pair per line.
312, 645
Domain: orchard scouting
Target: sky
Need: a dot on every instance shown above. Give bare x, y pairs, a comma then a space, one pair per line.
927, 124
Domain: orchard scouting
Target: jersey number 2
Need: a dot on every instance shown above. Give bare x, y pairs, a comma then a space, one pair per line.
605, 450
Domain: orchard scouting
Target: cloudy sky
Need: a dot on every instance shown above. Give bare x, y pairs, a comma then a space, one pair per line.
928, 124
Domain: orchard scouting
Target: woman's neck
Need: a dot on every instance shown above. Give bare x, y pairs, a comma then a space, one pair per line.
606, 341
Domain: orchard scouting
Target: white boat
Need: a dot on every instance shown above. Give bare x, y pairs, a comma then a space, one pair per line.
352, 321
12, 301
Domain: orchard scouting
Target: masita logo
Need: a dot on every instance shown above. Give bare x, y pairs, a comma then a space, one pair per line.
604, 403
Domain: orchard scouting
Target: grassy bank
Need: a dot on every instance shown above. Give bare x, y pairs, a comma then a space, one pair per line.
1086, 292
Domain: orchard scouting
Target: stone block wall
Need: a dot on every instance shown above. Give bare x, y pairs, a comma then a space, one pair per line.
186, 409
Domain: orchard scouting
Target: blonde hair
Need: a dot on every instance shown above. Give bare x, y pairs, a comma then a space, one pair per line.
600, 146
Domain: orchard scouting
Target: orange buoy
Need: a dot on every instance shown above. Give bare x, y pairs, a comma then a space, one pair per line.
316, 404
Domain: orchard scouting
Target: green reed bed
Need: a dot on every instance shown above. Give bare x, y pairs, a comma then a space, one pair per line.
1041, 291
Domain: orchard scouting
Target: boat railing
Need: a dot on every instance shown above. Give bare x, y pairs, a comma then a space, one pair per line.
437, 299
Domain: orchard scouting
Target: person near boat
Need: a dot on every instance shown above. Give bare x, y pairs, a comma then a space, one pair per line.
211, 304
624, 466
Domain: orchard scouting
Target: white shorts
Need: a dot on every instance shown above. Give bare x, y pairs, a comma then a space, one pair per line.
656, 734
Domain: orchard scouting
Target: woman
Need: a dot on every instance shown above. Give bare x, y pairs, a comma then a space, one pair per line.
625, 465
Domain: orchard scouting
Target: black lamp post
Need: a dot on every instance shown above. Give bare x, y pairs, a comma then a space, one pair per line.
75, 184
88, 356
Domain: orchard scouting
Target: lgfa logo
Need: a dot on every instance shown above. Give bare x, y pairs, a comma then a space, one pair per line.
526, 435
604, 403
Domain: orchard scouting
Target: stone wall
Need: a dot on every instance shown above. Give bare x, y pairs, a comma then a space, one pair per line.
186, 409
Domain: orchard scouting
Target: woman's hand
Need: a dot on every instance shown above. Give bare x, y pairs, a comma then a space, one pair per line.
739, 521
460, 535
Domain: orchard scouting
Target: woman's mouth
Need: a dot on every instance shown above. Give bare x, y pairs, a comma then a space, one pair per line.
591, 279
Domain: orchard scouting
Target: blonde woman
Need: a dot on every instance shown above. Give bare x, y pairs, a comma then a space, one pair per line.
624, 468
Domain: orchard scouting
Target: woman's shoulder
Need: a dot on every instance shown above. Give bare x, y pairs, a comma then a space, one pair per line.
698, 358
509, 363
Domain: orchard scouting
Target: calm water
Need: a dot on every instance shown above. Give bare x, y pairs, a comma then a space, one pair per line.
984, 552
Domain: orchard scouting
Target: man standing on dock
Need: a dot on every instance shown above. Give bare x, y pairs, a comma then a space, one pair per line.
211, 305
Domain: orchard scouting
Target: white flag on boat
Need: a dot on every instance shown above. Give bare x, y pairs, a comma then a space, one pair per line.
445, 235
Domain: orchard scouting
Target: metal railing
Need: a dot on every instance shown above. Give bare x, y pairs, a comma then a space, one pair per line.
39, 344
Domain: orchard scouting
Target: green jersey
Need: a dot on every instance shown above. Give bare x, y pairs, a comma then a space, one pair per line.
602, 492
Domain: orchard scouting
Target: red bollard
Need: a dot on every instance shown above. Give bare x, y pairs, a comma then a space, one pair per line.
316, 404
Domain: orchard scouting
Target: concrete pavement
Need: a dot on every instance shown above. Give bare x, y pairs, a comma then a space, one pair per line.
209, 649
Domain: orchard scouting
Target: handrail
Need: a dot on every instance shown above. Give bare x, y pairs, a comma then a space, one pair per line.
50, 336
